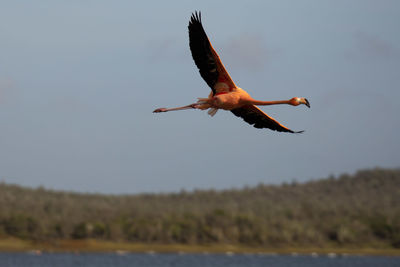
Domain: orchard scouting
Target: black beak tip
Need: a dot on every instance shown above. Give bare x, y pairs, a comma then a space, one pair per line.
307, 103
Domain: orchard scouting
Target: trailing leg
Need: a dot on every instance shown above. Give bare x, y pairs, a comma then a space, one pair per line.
191, 106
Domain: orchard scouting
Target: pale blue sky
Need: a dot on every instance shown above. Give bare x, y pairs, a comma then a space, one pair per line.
79, 81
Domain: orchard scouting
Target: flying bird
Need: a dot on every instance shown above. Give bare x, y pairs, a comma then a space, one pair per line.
224, 92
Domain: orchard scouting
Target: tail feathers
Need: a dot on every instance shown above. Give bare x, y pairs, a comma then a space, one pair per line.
204, 104
212, 111
202, 100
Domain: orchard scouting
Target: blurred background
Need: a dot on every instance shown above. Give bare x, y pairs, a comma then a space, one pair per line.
79, 81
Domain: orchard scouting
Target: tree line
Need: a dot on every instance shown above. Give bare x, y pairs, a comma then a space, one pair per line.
356, 210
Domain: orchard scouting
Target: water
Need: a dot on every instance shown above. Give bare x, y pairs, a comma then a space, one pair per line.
189, 260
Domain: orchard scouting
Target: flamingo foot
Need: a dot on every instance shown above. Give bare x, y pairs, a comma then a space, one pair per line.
160, 110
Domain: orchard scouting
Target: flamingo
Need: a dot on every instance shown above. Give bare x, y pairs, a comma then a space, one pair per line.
224, 92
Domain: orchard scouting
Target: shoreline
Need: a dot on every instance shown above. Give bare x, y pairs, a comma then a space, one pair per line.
99, 246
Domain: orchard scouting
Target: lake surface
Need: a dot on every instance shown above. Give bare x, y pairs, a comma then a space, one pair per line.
189, 260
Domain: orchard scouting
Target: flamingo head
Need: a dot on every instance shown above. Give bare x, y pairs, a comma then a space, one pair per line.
295, 101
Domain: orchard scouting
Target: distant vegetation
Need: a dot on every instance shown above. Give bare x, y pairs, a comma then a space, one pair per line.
360, 210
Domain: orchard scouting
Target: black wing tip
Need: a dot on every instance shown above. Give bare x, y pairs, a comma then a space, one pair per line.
284, 131
287, 130
196, 17
279, 130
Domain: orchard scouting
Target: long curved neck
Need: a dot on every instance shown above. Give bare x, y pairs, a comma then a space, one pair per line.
265, 103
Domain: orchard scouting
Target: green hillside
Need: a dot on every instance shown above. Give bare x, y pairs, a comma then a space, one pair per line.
353, 211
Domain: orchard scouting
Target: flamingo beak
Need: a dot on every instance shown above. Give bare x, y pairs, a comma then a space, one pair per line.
307, 103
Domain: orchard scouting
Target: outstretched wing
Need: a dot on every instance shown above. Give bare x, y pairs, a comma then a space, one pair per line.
256, 117
207, 60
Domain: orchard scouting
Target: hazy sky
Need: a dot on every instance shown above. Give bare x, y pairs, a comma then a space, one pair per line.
79, 81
